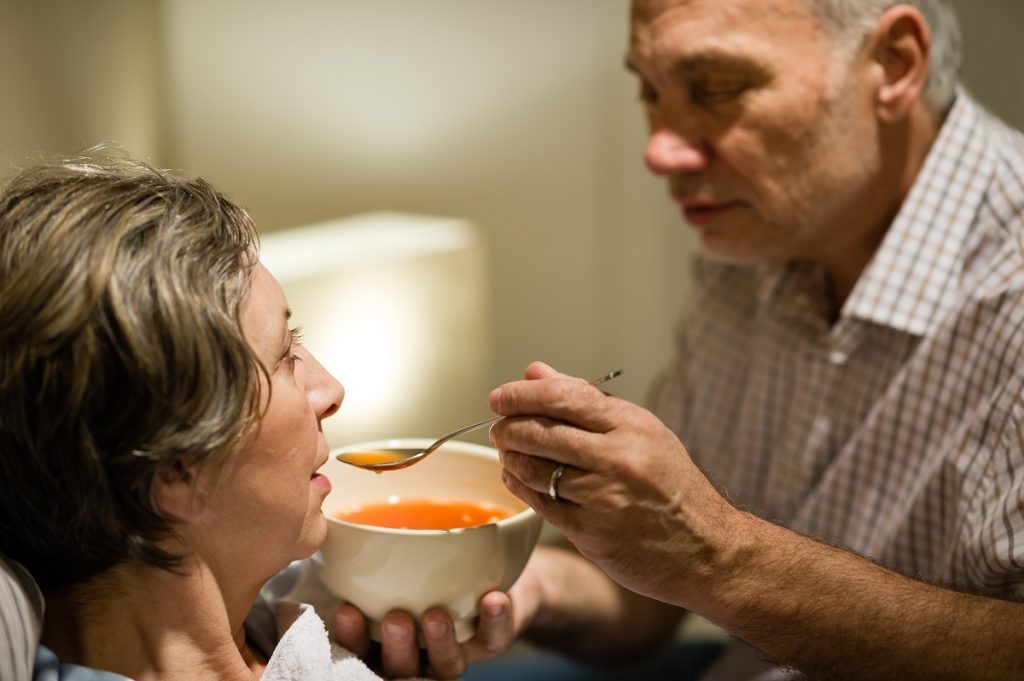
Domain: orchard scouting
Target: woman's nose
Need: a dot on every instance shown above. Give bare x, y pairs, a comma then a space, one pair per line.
325, 392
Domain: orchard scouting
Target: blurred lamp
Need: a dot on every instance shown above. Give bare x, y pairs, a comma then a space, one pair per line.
394, 305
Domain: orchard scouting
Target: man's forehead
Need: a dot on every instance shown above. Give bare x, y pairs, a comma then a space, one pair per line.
648, 10
720, 25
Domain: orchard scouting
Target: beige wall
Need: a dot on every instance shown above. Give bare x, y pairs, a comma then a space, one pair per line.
516, 114
74, 74
993, 60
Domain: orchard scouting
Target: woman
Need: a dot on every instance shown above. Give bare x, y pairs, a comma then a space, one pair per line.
159, 422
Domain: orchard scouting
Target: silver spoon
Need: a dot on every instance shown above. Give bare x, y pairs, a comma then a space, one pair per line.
393, 458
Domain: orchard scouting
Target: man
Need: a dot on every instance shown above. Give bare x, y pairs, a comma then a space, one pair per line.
849, 383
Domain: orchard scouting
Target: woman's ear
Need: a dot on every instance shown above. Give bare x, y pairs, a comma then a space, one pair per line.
902, 50
177, 494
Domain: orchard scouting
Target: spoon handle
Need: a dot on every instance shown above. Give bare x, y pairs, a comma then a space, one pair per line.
494, 419
475, 426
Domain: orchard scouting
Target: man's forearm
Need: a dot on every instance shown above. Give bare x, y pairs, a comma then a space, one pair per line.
834, 615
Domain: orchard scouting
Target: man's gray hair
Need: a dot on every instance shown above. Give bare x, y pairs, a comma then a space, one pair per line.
853, 19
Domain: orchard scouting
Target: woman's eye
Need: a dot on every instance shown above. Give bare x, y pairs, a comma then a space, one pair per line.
291, 358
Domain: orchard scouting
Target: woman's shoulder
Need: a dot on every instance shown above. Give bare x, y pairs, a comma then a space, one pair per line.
49, 668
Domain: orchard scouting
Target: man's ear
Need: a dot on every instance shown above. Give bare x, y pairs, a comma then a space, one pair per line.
902, 43
177, 492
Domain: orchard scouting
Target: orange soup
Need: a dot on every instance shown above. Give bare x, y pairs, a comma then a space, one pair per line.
368, 458
426, 514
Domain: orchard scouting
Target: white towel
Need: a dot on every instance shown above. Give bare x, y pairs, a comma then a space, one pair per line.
304, 651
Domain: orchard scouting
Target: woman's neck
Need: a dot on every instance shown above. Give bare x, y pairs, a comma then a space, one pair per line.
148, 623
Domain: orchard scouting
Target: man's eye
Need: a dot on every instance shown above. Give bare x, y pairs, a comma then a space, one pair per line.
647, 94
717, 91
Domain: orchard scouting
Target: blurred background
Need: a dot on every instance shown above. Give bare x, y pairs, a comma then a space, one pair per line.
504, 132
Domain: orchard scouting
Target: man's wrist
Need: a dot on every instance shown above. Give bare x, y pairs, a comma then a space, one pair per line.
733, 577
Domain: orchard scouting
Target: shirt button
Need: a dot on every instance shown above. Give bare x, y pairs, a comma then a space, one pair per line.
837, 357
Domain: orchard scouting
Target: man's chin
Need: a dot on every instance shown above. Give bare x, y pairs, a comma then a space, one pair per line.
726, 253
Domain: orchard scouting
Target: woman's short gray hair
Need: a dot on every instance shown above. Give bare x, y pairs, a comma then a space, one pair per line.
121, 355
853, 19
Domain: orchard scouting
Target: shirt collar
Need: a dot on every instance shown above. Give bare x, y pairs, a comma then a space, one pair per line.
913, 280
798, 289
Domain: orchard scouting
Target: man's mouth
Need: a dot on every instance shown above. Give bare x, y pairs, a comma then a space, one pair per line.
701, 213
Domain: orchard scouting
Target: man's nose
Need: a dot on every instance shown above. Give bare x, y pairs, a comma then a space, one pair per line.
670, 151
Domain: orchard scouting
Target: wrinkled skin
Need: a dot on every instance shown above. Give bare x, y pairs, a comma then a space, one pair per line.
630, 499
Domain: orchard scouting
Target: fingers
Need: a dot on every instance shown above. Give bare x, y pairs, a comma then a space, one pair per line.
544, 438
556, 396
560, 513
350, 630
539, 475
495, 630
400, 653
494, 633
443, 651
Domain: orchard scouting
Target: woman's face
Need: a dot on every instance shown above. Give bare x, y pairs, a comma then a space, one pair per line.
266, 500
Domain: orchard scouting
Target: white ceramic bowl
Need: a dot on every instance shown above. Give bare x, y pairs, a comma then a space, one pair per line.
381, 569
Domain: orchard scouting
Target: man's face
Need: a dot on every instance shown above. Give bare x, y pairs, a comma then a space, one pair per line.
764, 131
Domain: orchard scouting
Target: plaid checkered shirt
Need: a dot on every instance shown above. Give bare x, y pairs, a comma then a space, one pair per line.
897, 430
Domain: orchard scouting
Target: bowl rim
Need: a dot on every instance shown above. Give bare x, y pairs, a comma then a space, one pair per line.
470, 448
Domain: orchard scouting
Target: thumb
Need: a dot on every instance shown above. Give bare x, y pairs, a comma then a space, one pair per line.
541, 370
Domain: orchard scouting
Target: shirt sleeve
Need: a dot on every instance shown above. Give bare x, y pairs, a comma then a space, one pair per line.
21, 621
991, 545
